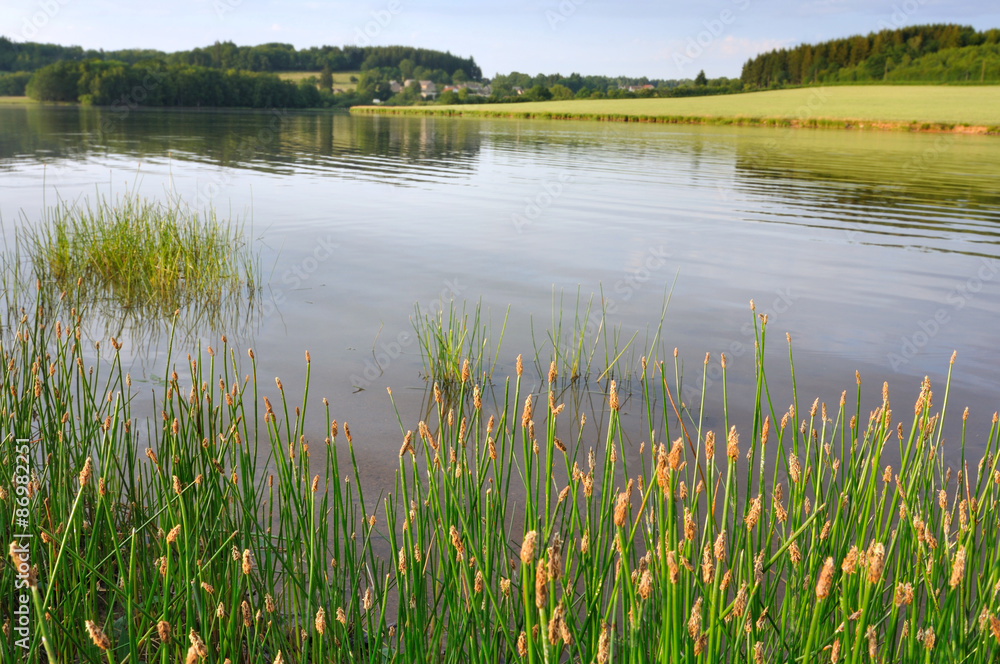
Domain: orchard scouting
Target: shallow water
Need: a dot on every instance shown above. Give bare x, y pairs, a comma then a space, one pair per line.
877, 252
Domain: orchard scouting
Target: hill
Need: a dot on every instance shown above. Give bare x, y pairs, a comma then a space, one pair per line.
273, 57
923, 53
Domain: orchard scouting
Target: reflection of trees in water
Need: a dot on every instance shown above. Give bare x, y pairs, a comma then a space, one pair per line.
908, 199
274, 141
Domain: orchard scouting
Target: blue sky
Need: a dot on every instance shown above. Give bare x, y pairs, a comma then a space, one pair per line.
635, 38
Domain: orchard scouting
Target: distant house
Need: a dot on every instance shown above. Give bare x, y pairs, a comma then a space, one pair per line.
517, 90
639, 88
395, 87
428, 90
476, 89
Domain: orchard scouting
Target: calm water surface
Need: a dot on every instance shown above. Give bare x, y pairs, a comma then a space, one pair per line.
877, 252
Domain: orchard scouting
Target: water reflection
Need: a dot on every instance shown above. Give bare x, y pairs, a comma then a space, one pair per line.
402, 152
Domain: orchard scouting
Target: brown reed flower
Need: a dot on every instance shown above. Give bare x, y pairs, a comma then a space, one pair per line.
720, 546
164, 631
903, 594
872, 637
928, 638
541, 583
850, 564
247, 562
645, 584
690, 529
556, 625
825, 580
621, 509
794, 470
694, 624
341, 616
87, 472
456, 541
958, 568
876, 562
753, 513
522, 639
198, 644
528, 547
733, 444
320, 621
97, 635
603, 645
673, 571
794, 553
526, 415
739, 603
555, 558
613, 397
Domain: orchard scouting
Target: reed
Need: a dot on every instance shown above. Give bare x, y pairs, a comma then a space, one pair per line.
145, 257
223, 529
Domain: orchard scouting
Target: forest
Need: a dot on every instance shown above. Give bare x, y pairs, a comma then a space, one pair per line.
273, 57
944, 53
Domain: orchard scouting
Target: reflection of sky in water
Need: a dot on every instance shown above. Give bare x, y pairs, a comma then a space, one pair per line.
850, 241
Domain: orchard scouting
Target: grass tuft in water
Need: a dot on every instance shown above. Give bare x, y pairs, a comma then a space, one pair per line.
147, 257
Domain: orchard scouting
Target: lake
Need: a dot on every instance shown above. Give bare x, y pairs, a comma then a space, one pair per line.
876, 252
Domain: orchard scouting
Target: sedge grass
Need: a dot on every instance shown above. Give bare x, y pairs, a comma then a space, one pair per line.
144, 257
222, 530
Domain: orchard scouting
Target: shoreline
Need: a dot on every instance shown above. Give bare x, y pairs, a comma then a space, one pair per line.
929, 108
710, 120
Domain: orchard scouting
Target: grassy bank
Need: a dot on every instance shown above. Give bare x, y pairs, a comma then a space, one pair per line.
341, 79
917, 108
227, 528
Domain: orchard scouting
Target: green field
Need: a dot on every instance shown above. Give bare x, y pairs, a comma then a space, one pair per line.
914, 107
341, 79
16, 100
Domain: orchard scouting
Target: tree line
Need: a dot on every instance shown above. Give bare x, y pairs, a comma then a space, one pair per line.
921, 53
272, 57
121, 85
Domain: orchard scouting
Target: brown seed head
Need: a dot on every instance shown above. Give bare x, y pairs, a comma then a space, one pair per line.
199, 646
97, 635
733, 444
621, 509
528, 547
320, 621
958, 568
86, 473
164, 631
541, 583
825, 580
876, 562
